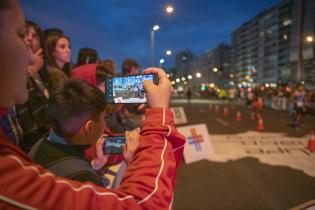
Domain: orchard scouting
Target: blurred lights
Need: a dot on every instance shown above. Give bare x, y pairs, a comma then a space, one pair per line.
273, 85
189, 77
155, 27
167, 75
173, 82
309, 39
212, 85
162, 61
168, 52
287, 88
215, 69
183, 79
198, 74
169, 9
287, 22
177, 80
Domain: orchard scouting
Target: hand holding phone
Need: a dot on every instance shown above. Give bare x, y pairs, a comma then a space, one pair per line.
158, 95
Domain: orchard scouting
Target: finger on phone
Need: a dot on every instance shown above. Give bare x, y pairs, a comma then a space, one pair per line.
142, 106
160, 73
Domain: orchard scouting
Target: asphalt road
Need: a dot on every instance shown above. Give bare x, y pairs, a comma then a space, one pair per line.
245, 183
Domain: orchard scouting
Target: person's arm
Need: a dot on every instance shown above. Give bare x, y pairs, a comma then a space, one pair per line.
148, 182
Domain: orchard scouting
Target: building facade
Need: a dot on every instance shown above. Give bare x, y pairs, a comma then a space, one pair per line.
276, 46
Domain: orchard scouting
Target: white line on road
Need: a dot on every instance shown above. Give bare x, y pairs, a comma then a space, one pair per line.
198, 101
222, 122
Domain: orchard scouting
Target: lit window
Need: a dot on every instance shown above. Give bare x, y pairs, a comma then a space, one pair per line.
287, 22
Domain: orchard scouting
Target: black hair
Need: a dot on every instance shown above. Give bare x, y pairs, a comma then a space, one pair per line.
73, 105
51, 32
87, 56
128, 64
104, 69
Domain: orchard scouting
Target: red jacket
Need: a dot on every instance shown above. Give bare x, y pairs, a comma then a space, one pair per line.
147, 184
86, 73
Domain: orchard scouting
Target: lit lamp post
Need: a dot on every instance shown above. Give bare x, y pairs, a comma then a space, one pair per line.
168, 52
169, 9
153, 29
161, 62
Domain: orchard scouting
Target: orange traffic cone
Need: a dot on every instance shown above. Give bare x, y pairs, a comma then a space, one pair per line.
260, 126
238, 116
225, 112
311, 142
217, 109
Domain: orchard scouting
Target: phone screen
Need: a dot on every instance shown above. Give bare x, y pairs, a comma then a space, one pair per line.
112, 145
127, 89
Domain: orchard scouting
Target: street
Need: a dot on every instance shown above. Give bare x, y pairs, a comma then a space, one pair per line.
271, 169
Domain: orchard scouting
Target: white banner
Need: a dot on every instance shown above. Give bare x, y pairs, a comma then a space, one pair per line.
269, 148
198, 145
179, 115
278, 103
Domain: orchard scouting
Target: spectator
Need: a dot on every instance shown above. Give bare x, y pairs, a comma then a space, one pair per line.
32, 115
58, 54
51, 32
150, 179
130, 67
77, 113
87, 56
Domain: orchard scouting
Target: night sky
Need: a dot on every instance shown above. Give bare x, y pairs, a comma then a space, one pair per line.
118, 29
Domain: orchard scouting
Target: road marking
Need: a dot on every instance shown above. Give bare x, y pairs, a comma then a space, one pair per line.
198, 101
222, 122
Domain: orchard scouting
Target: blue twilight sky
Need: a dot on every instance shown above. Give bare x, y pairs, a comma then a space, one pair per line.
121, 28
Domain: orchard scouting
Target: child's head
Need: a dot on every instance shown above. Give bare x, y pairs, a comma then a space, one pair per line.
77, 112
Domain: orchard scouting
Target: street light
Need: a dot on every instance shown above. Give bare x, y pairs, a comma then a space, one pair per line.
169, 9
183, 78
168, 52
198, 74
215, 69
309, 39
177, 80
189, 77
162, 61
153, 29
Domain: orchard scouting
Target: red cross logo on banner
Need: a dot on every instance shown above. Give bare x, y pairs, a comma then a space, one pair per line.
195, 139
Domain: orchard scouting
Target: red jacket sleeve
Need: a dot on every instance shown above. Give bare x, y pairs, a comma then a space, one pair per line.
148, 182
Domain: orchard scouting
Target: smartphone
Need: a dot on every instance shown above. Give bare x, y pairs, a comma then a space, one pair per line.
127, 89
112, 145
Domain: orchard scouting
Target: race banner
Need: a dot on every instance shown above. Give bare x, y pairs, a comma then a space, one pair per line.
279, 103
198, 145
